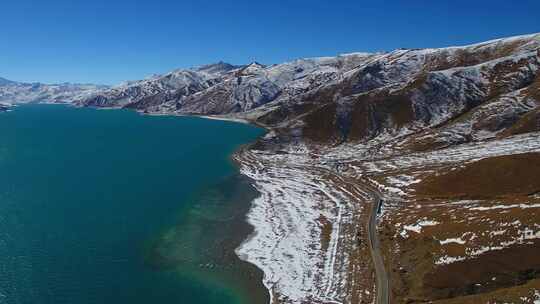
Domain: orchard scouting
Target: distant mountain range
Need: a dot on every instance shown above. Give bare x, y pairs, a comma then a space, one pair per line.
22, 92
223, 88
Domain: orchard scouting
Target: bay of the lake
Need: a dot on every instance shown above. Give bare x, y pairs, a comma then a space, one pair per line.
110, 206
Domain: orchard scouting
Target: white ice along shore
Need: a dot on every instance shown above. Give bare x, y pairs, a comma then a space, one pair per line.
286, 245
5, 107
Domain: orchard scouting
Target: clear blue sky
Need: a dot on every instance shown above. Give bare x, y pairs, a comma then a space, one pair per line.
110, 41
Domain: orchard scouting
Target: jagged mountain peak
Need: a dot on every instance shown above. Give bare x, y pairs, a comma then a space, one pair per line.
254, 68
219, 67
256, 64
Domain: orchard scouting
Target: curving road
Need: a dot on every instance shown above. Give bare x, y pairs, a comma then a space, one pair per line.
383, 284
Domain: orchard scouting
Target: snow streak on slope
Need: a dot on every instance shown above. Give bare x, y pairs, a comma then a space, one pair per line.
299, 206
223, 88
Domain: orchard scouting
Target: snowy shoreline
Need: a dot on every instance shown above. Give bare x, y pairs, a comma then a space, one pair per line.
5, 107
287, 242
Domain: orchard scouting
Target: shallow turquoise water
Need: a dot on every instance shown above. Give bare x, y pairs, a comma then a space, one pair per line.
108, 206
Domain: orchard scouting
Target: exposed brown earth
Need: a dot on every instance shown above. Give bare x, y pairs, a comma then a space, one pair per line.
472, 57
321, 124
486, 224
494, 270
519, 294
513, 175
530, 122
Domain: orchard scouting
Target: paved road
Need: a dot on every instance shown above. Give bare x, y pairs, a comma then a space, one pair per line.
383, 284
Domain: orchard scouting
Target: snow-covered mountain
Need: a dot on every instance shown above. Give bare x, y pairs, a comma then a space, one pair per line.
21, 92
489, 86
223, 88
357, 96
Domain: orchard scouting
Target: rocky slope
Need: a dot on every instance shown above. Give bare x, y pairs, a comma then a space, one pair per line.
223, 88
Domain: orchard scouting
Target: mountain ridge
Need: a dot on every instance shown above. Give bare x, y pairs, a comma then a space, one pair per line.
237, 92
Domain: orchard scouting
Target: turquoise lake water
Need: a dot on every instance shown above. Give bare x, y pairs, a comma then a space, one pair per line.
109, 206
